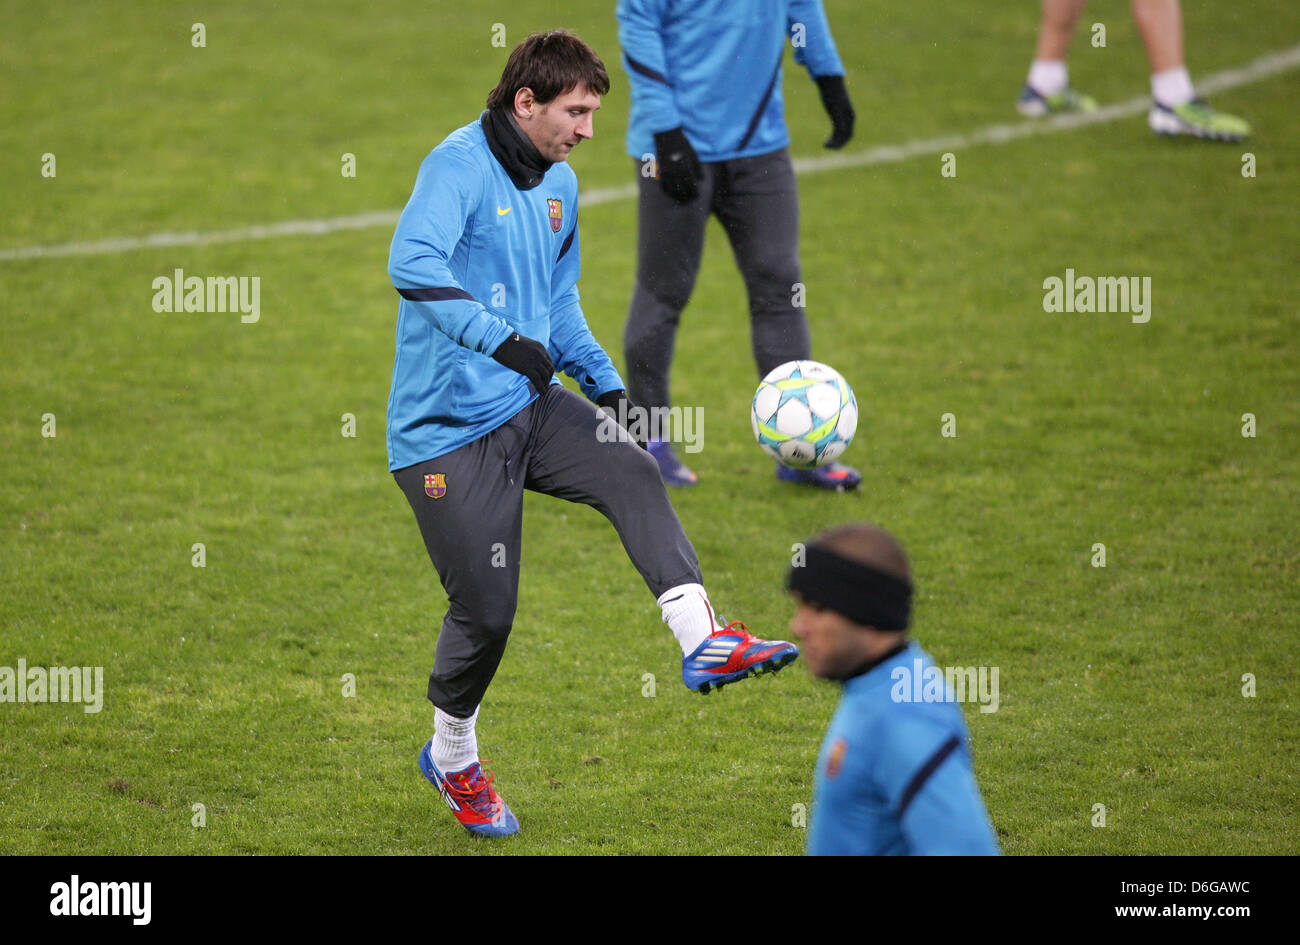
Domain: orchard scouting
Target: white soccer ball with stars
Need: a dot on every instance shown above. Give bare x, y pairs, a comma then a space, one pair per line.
804, 414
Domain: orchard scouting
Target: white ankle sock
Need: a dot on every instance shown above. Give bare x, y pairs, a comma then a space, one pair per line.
1048, 76
689, 615
455, 744
1172, 88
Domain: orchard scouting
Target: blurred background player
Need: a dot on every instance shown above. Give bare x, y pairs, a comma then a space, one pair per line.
706, 103
1175, 109
476, 414
893, 776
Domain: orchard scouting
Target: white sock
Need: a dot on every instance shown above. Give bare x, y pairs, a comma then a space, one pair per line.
689, 615
1172, 88
1048, 76
455, 746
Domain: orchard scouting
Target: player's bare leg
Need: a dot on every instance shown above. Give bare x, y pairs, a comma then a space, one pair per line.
1047, 89
1056, 29
1160, 24
1176, 110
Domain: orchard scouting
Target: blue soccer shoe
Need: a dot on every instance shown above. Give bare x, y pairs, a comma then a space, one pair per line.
471, 797
671, 469
731, 653
833, 476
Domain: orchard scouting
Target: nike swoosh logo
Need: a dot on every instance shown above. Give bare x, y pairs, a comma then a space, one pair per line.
501, 212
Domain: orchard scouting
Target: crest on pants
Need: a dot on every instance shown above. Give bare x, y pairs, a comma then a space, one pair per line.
435, 485
557, 214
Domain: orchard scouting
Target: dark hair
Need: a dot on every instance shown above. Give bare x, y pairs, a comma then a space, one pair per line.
867, 544
550, 64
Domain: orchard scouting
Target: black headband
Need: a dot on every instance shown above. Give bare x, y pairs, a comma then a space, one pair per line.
854, 590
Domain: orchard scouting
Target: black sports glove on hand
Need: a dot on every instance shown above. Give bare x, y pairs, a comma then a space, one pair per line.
679, 165
527, 357
835, 99
619, 405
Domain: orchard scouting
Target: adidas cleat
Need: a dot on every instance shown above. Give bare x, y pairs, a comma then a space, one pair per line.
471, 797
834, 476
1197, 119
1034, 104
671, 469
730, 654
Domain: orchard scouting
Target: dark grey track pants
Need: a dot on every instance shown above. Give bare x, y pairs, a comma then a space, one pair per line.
756, 201
473, 529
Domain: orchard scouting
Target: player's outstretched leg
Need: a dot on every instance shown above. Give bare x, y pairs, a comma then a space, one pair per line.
582, 455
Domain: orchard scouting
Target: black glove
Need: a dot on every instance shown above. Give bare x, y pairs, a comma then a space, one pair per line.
527, 357
679, 165
619, 405
835, 99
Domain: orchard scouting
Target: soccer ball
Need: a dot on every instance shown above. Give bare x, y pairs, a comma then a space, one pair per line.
804, 414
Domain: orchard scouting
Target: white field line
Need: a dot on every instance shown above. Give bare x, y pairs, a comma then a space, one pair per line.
1272, 64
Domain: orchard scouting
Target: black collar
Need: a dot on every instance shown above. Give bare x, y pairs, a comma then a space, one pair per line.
872, 664
512, 149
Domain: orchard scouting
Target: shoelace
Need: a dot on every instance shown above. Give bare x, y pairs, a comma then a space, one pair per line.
476, 792
736, 623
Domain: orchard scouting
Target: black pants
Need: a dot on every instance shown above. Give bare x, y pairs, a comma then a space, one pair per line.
755, 200
558, 445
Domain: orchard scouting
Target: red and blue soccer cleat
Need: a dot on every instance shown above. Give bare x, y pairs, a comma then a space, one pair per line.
730, 654
471, 797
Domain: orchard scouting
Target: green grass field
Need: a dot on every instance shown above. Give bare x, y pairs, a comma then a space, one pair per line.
1119, 686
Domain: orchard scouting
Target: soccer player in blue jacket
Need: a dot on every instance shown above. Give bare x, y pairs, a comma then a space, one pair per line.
707, 130
894, 774
486, 260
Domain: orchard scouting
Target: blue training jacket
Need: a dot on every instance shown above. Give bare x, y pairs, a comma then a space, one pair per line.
476, 259
713, 67
896, 777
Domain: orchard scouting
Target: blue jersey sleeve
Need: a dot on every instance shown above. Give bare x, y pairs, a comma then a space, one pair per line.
640, 33
572, 346
923, 770
420, 261
817, 52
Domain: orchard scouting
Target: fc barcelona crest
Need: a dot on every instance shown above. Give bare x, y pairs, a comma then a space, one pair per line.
435, 485
557, 214
835, 760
